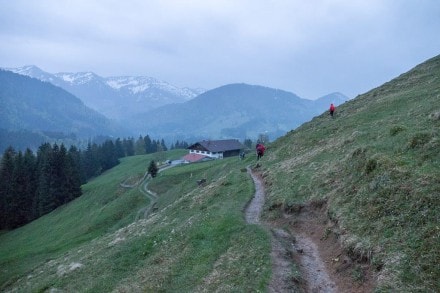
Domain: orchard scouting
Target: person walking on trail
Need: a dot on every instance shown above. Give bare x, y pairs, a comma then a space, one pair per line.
332, 109
260, 150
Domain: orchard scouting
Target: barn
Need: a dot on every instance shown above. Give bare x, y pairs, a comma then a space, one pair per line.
217, 149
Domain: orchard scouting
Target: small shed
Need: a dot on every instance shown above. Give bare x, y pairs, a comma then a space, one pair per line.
217, 149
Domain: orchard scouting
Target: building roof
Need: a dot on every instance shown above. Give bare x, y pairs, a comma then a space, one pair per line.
193, 158
217, 145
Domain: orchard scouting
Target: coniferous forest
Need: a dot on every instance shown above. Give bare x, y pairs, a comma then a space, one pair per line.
32, 185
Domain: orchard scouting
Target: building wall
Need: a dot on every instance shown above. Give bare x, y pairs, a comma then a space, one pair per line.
231, 153
218, 155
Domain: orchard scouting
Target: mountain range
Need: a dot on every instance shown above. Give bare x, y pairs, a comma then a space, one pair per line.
114, 96
144, 105
234, 110
359, 192
33, 105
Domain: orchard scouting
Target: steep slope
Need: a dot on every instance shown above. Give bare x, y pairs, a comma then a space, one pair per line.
30, 104
371, 174
234, 110
375, 168
194, 240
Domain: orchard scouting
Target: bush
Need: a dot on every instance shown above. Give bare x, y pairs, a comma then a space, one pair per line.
370, 166
396, 129
419, 139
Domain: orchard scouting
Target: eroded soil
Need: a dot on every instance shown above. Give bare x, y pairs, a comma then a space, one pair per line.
305, 237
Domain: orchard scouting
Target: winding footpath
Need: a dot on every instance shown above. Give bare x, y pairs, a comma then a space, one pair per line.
313, 271
152, 196
285, 248
253, 210
143, 188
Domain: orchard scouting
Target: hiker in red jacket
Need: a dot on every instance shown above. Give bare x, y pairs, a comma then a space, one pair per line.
260, 150
332, 109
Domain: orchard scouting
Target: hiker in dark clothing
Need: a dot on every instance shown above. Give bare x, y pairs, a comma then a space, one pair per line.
332, 109
260, 150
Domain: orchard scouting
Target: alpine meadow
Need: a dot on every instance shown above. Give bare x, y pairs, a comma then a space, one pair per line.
370, 175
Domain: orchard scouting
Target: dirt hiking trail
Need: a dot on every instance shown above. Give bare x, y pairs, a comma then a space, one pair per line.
303, 238
142, 184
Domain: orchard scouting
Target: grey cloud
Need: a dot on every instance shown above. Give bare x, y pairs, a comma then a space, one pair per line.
308, 47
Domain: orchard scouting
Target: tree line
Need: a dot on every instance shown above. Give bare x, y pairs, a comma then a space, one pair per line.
32, 185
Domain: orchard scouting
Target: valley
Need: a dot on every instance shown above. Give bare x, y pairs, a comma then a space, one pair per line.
351, 202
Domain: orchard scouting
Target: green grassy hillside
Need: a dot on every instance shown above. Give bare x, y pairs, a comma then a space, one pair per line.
195, 239
377, 163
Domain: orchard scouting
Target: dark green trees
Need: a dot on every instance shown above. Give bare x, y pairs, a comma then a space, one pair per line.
17, 188
152, 169
7, 202
34, 185
31, 186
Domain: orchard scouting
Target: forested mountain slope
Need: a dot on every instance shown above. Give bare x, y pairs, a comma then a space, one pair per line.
234, 111
30, 104
115, 97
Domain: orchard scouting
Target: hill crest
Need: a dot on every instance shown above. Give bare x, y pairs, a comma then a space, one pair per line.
233, 111
30, 104
114, 96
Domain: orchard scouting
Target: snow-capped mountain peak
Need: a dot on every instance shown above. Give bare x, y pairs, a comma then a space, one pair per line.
32, 71
140, 84
116, 96
77, 78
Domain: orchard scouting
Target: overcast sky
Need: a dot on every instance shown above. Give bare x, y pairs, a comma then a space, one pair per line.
308, 47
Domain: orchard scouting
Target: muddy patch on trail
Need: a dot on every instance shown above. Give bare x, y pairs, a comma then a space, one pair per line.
304, 239
312, 267
324, 264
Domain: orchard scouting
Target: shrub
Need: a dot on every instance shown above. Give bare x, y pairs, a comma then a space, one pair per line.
419, 139
396, 129
370, 166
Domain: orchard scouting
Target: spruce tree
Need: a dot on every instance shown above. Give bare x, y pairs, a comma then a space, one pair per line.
129, 147
163, 145
152, 169
108, 158
154, 145
30, 163
6, 187
18, 204
119, 147
46, 200
148, 146
140, 146
58, 184
90, 162
73, 174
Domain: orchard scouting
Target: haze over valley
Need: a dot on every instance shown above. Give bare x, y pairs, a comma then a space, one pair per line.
132, 106
191, 146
